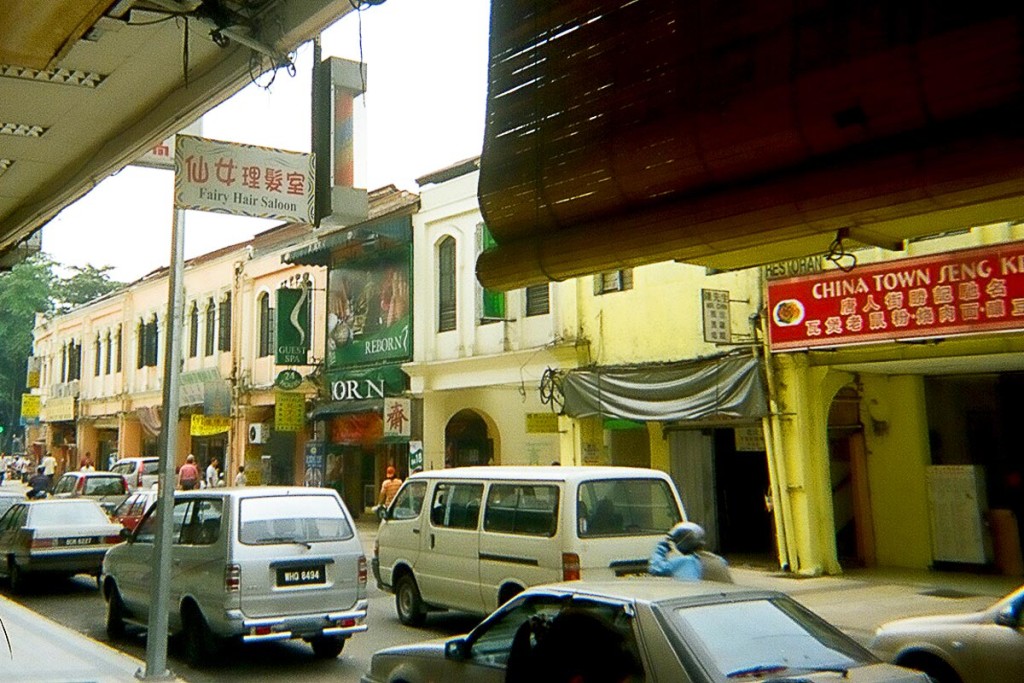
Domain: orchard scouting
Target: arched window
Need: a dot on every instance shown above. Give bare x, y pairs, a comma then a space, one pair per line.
446, 311
266, 326
193, 331
211, 325
224, 332
97, 364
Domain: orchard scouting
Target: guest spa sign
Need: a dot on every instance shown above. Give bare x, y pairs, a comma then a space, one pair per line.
962, 292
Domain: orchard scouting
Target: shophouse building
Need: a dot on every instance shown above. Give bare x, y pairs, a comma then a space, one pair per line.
102, 366
480, 356
365, 419
898, 386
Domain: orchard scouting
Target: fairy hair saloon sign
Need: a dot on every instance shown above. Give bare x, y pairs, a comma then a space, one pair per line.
963, 292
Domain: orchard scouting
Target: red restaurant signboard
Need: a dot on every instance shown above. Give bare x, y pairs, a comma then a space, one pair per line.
962, 292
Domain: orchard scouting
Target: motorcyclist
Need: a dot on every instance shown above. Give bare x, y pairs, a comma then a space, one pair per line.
39, 484
693, 562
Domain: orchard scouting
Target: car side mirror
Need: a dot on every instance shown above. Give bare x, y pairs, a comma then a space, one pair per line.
1009, 615
126, 534
382, 512
456, 649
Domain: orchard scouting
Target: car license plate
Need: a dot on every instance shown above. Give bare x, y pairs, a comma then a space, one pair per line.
74, 542
301, 576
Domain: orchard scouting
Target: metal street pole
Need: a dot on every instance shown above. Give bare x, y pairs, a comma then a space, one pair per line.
156, 640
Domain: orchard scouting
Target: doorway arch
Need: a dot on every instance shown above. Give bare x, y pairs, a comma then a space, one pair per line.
470, 439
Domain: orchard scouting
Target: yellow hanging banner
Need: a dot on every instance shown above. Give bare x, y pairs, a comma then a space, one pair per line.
208, 425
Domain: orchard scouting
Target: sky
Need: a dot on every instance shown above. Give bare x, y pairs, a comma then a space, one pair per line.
423, 110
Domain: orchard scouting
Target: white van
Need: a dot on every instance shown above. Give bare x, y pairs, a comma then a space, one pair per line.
470, 538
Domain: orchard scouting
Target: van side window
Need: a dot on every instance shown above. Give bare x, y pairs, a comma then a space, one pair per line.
203, 525
522, 509
456, 506
620, 507
409, 501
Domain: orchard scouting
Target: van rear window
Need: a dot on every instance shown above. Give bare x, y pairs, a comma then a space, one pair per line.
625, 507
292, 519
522, 509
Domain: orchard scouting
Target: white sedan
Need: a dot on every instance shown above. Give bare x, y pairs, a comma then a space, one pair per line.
643, 629
68, 537
978, 647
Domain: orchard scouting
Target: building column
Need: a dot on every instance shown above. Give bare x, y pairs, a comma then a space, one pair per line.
803, 395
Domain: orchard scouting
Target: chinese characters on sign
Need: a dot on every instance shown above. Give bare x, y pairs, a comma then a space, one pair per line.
717, 328
397, 417
289, 411
963, 292
242, 180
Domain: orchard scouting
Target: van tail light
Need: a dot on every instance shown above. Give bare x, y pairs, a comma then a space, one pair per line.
362, 570
570, 567
112, 540
232, 578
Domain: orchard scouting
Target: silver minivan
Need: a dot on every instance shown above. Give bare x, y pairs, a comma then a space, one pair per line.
249, 564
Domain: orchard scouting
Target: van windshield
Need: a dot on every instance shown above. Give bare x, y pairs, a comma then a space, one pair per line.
625, 507
292, 519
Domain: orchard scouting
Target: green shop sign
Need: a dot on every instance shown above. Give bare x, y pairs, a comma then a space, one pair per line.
292, 327
356, 385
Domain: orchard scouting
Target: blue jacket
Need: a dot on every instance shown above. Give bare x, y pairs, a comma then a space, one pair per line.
682, 567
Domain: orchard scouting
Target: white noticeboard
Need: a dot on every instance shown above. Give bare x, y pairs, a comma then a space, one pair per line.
243, 180
717, 322
958, 503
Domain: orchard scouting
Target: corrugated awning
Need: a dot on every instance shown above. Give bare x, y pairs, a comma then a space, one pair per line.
367, 405
624, 133
711, 389
363, 242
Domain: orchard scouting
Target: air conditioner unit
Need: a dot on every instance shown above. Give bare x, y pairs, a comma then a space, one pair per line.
259, 432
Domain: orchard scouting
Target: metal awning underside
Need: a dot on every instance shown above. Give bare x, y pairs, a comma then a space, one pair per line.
88, 86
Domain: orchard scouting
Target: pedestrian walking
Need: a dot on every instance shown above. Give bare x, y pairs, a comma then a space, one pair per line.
389, 487
240, 477
188, 474
49, 465
212, 473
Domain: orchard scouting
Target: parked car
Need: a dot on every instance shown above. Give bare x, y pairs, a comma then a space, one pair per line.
9, 497
470, 538
56, 536
141, 473
252, 564
639, 629
131, 510
960, 648
106, 488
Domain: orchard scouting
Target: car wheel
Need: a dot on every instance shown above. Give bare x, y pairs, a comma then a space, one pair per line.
327, 647
115, 614
18, 577
200, 643
933, 667
408, 602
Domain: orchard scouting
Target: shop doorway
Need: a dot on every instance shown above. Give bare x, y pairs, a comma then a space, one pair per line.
467, 441
745, 524
851, 504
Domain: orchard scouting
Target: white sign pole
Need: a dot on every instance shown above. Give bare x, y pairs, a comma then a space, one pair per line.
156, 640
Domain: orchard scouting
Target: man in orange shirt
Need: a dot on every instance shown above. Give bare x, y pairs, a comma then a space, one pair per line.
389, 487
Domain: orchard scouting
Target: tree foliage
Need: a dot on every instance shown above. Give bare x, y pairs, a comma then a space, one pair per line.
29, 288
85, 284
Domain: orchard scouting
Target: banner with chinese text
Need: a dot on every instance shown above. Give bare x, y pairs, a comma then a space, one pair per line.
289, 411
209, 425
242, 180
963, 292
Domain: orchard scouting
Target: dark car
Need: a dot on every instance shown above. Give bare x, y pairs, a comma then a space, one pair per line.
643, 629
64, 537
106, 488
